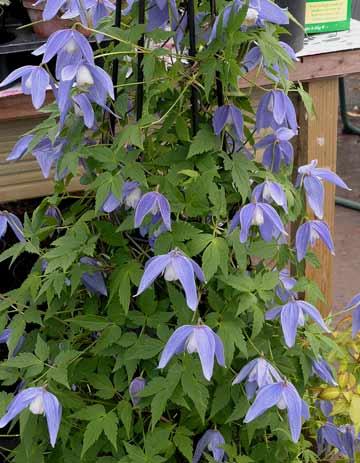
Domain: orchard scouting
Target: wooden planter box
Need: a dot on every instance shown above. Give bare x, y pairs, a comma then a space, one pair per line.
21, 179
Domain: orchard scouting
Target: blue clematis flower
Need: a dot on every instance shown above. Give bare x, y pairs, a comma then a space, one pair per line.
277, 149
276, 110
94, 282
355, 305
284, 395
130, 196
254, 58
10, 219
312, 177
70, 47
308, 233
229, 115
258, 373
292, 314
136, 386
259, 12
284, 290
259, 214
40, 402
269, 192
198, 339
212, 441
34, 81
174, 266
153, 203
322, 369
342, 437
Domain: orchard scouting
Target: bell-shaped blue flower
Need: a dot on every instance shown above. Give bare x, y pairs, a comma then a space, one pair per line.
284, 290
153, 203
40, 402
10, 219
229, 115
199, 339
257, 373
261, 215
136, 386
34, 81
93, 281
130, 196
278, 149
292, 315
213, 441
343, 438
311, 177
284, 395
276, 110
354, 305
269, 192
322, 369
174, 266
307, 235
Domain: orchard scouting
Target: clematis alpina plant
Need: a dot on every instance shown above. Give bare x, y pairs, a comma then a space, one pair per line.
145, 329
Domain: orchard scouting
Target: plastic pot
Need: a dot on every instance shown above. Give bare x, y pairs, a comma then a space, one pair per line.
297, 34
44, 29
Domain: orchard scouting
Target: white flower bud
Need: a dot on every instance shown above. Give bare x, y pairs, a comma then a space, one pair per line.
71, 46
258, 217
251, 17
37, 405
170, 273
84, 77
133, 198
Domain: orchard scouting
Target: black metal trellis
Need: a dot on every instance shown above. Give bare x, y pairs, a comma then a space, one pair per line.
115, 66
195, 97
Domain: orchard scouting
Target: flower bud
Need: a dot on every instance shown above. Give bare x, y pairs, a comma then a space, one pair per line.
137, 385
330, 393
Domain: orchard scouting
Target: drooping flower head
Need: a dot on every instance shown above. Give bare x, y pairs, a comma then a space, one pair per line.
322, 369
261, 215
284, 395
278, 149
342, 438
136, 386
355, 305
94, 282
34, 81
174, 266
307, 235
10, 219
276, 110
199, 339
130, 196
229, 115
153, 203
312, 178
292, 315
40, 402
213, 442
268, 192
258, 373
284, 290
54, 212
254, 58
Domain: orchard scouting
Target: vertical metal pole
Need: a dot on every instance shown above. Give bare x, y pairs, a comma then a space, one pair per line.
115, 68
219, 87
140, 72
192, 52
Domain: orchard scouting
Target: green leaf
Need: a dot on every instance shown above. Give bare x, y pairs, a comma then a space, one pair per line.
131, 135
145, 348
125, 413
197, 392
91, 435
158, 404
90, 413
90, 322
240, 175
23, 360
110, 426
60, 375
42, 350
215, 255
258, 321
204, 141
184, 443
354, 412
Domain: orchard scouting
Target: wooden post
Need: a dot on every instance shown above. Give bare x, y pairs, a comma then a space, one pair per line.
318, 140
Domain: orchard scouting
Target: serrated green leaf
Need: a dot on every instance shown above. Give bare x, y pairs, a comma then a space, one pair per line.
92, 433
204, 141
125, 413
184, 443
215, 255
197, 392
42, 350
110, 426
